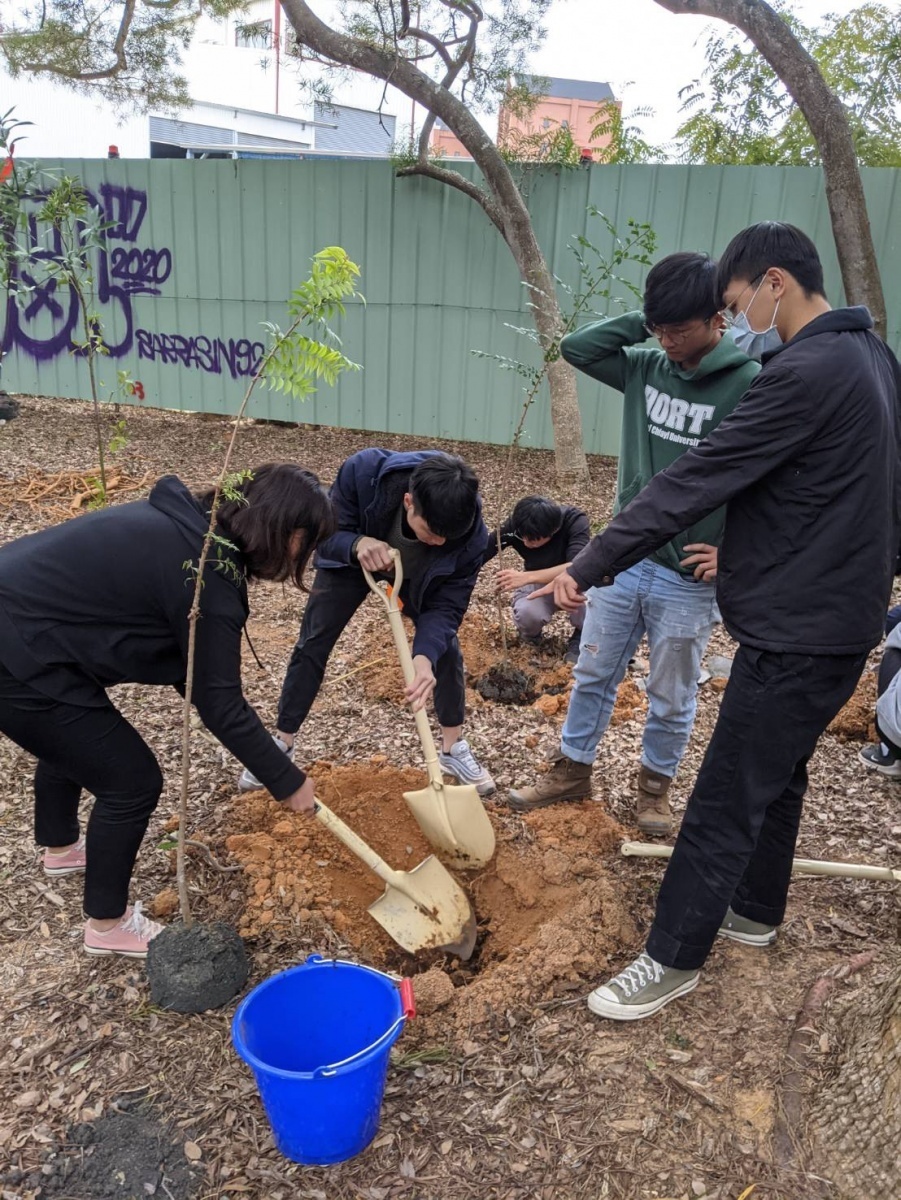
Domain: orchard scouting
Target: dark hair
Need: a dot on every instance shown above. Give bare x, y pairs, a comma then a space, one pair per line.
445, 490
275, 502
536, 517
752, 252
681, 287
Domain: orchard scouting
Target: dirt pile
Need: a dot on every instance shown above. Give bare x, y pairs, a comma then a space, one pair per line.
482, 650
548, 914
298, 874
856, 721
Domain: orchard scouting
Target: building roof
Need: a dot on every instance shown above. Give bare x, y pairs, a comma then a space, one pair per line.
567, 89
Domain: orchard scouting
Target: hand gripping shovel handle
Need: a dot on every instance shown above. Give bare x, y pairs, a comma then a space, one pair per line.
366, 854
800, 866
390, 599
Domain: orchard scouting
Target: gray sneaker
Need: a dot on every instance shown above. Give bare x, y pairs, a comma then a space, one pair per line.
641, 990
460, 762
248, 782
750, 933
880, 758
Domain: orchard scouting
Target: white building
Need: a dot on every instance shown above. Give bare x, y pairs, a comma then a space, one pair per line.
245, 80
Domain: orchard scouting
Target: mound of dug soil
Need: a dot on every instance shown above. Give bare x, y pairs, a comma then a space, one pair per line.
548, 914
857, 720
482, 651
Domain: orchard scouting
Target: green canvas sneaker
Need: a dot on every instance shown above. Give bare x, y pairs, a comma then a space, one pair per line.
750, 933
641, 990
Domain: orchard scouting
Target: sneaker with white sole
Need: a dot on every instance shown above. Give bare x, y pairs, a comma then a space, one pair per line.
70, 862
248, 782
460, 762
641, 990
880, 758
130, 937
749, 933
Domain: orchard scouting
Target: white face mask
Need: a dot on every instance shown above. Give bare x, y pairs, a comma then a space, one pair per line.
755, 342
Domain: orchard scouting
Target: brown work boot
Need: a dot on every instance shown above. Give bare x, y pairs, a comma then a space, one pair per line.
655, 817
566, 780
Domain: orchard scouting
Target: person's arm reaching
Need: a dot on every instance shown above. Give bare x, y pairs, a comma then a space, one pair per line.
220, 703
773, 421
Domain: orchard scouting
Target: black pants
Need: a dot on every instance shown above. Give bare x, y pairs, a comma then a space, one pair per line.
738, 836
336, 595
93, 748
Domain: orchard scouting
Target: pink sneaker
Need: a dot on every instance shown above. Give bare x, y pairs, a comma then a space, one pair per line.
69, 863
129, 937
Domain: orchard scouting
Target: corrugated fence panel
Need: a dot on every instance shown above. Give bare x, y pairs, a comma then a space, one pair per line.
201, 253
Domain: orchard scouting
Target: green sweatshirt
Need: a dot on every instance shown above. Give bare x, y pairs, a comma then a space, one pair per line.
666, 409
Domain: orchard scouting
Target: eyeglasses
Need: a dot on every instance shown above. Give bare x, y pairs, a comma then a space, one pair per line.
677, 336
727, 314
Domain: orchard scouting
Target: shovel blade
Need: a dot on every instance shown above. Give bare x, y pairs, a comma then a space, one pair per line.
466, 837
440, 918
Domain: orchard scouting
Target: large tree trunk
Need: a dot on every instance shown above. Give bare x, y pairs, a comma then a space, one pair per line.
856, 1117
502, 203
824, 113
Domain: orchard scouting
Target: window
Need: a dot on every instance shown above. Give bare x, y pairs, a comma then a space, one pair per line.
257, 36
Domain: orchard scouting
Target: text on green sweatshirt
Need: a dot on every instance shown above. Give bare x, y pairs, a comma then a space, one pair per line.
666, 409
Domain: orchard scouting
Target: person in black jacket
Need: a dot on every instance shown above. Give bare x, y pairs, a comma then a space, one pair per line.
426, 506
808, 466
104, 599
547, 537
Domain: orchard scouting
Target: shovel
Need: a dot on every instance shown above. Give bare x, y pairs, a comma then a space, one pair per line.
452, 817
801, 866
422, 909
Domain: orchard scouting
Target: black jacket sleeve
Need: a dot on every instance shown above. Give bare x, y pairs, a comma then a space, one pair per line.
579, 535
777, 417
220, 703
491, 548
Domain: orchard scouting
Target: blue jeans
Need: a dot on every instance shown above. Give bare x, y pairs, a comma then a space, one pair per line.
678, 615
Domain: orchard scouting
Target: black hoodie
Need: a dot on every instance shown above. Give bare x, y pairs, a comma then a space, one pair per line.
104, 599
808, 467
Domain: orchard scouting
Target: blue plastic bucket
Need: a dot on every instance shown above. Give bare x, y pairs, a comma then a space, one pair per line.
317, 1038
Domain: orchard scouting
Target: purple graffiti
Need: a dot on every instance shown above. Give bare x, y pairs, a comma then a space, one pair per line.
141, 270
47, 324
240, 357
124, 210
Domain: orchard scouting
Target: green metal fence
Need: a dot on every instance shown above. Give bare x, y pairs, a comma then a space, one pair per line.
200, 253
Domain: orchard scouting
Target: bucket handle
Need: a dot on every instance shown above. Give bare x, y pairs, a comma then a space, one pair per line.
409, 1010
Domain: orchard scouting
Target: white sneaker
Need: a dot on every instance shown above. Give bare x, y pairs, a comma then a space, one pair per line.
641, 990
460, 762
248, 782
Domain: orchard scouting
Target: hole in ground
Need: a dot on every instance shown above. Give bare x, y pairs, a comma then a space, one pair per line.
549, 911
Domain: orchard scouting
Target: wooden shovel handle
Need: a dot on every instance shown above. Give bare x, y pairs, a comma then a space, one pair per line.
365, 853
354, 842
392, 605
389, 596
800, 866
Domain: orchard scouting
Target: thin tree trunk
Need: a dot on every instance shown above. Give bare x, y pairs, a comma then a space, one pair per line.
825, 114
856, 1116
502, 203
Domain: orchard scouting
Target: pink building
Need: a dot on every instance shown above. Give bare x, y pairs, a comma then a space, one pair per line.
570, 103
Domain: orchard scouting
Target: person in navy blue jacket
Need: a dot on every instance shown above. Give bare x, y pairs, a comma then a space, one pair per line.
426, 505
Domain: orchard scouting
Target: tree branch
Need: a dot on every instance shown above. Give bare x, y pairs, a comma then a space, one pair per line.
455, 180
121, 63
828, 121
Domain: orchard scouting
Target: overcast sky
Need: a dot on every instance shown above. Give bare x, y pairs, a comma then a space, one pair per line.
638, 42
